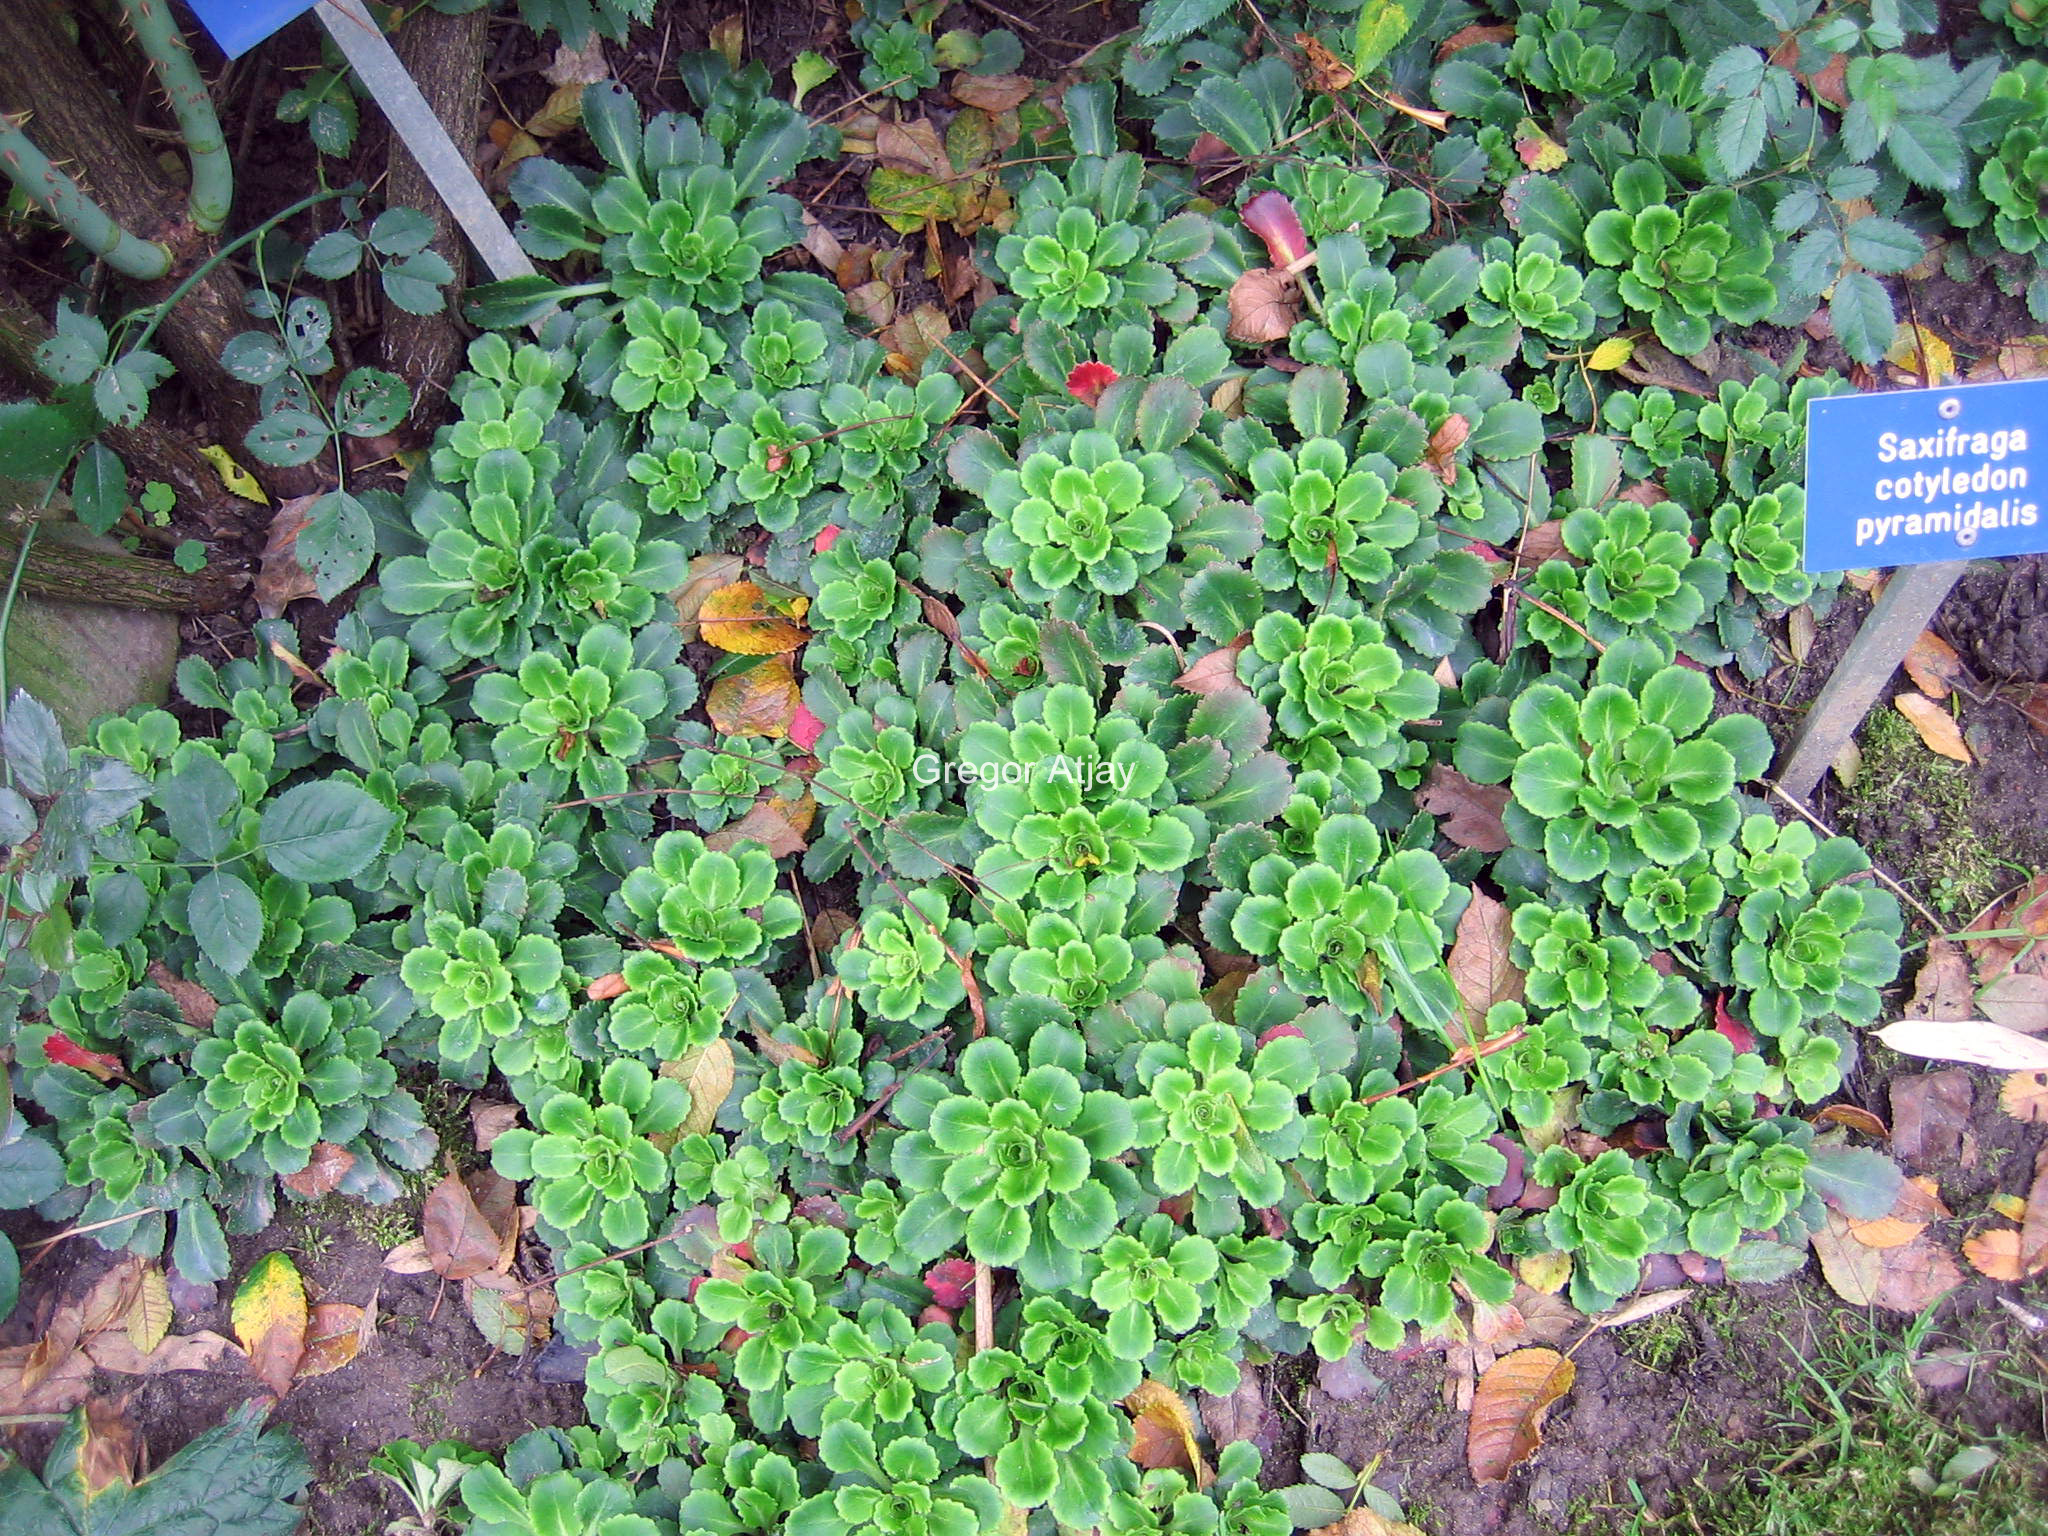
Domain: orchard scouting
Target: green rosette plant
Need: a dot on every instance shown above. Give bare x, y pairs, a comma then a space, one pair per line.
593, 1168
1213, 1121
1748, 1184
584, 724
482, 990
779, 458
859, 596
634, 1392
1335, 687
1088, 249
1046, 1451
741, 1486
313, 1073
724, 779
1530, 286
1760, 540
692, 249
1017, 1163
717, 907
882, 432
1360, 930
896, 1491
1084, 514
783, 349
1665, 905
668, 1008
1072, 801
669, 362
1818, 955
875, 1369
1080, 963
1415, 1246
1327, 517
907, 964
1074, 1353
1632, 767
806, 1104
554, 1505
1638, 572
1607, 1217
1684, 268
780, 1305
1149, 1280
2014, 175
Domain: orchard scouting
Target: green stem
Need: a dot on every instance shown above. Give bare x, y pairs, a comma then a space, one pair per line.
213, 174
75, 213
199, 272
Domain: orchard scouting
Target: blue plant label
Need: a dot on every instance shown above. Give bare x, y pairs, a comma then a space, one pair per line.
239, 25
1921, 475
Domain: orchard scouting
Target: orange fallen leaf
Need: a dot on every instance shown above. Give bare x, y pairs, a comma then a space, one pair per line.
1995, 1254
334, 1332
2024, 1096
323, 1173
1853, 1116
761, 701
1508, 1406
1472, 812
1937, 727
1215, 672
1933, 664
1163, 1432
1482, 966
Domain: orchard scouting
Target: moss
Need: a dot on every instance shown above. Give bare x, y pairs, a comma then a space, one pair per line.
1911, 809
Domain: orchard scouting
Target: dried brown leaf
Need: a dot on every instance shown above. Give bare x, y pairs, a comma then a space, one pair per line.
1264, 304
913, 147
323, 1173
488, 1121
707, 1075
107, 1454
409, 1258
1855, 1117
1215, 672
1937, 727
1508, 1407
760, 701
1240, 1416
2018, 1000
1471, 812
1933, 665
196, 1005
1930, 1111
768, 824
280, 579
1648, 1304
1545, 542
148, 1317
1942, 989
1360, 1521
992, 93
458, 1241
1996, 1253
200, 1351
708, 574
1482, 964
1905, 1278
334, 1332
2024, 1096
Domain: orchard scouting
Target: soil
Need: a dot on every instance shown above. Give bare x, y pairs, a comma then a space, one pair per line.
426, 1375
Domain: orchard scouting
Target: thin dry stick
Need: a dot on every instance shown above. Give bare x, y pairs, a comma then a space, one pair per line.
1898, 890
1463, 1057
111, 1221
1563, 618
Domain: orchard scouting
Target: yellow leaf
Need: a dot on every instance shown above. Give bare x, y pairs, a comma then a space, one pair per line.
760, 701
1545, 1272
2025, 1097
562, 111
728, 39
1163, 1432
707, 1074
1937, 727
270, 1318
1611, 353
2011, 1207
239, 481
741, 618
1921, 353
149, 1314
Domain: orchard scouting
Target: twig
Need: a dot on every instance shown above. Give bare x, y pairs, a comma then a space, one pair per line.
1563, 618
94, 1226
1933, 922
984, 1307
882, 1101
1461, 1058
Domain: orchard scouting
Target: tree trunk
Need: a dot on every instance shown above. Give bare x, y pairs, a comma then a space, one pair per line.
77, 121
446, 55
151, 450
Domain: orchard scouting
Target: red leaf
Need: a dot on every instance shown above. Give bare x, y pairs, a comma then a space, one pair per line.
805, 728
67, 1053
1727, 1024
1088, 380
827, 537
951, 1282
1272, 218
